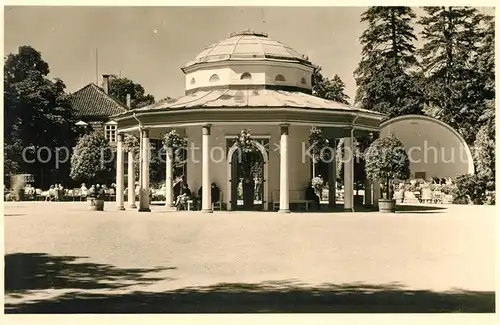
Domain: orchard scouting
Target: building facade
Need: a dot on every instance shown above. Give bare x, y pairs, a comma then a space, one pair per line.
246, 82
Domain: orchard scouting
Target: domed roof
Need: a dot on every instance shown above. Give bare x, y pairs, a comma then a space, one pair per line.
247, 45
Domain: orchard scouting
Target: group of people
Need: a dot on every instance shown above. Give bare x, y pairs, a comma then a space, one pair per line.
55, 193
182, 194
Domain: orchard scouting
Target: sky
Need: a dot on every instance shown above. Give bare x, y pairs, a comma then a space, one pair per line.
150, 44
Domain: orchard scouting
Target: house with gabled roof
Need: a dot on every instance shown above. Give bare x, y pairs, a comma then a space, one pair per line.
93, 107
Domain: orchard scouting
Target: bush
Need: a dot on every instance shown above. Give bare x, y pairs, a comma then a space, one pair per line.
472, 189
386, 160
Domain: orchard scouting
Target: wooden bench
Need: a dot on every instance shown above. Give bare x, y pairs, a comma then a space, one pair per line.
296, 197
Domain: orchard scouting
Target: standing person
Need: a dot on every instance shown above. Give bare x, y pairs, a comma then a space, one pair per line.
83, 191
61, 192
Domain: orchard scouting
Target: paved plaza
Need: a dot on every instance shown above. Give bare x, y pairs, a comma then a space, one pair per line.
62, 258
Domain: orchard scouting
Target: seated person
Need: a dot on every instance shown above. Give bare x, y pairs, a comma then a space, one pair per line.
310, 195
177, 190
183, 197
215, 193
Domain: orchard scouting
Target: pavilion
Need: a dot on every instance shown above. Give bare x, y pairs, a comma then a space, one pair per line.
247, 81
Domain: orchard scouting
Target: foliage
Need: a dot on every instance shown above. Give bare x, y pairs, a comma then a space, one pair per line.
173, 141
385, 160
330, 89
120, 87
91, 160
37, 113
386, 77
131, 143
457, 66
472, 189
484, 154
249, 155
318, 142
177, 145
317, 183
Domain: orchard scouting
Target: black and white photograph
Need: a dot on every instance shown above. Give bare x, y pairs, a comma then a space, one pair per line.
249, 160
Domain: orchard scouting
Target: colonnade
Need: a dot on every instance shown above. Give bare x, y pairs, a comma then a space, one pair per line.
284, 206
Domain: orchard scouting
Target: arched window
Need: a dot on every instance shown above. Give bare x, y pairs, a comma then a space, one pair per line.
246, 75
193, 81
303, 81
214, 78
279, 78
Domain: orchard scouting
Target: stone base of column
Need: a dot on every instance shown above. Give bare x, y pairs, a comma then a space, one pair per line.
144, 210
284, 210
207, 210
120, 208
132, 206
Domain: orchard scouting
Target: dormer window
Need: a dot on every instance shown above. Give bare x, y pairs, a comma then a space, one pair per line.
246, 76
214, 78
279, 78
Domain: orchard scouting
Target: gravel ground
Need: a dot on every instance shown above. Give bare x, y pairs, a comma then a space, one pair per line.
119, 252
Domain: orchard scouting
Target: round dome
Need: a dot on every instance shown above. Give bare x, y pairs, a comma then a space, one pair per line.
247, 45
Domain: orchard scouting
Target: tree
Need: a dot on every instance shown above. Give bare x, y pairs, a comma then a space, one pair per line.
331, 89
91, 160
484, 155
386, 160
120, 87
386, 76
37, 115
455, 44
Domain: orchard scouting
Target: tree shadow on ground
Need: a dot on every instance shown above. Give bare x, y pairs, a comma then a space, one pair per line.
270, 297
38, 271
419, 209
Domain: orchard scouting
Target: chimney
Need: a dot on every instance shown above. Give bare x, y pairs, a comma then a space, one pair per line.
105, 83
129, 105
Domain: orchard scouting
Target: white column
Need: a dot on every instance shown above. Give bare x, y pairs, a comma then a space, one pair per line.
332, 180
348, 174
206, 203
284, 180
144, 196
376, 193
131, 180
168, 180
120, 177
368, 193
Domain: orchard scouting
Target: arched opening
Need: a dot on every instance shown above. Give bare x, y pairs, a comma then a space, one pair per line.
193, 81
303, 81
279, 78
246, 76
214, 78
247, 192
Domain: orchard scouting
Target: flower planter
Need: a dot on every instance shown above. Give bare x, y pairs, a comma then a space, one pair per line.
386, 206
95, 204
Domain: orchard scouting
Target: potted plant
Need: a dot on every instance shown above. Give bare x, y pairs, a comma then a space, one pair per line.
387, 160
91, 162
